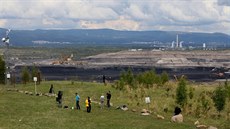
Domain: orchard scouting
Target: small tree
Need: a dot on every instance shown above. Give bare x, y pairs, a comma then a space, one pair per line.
39, 76
2, 71
164, 77
227, 89
157, 80
128, 78
219, 96
181, 92
204, 102
25, 75
147, 78
34, 72
119, 84
191, 92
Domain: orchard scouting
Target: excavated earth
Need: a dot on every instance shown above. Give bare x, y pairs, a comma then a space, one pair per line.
196, 65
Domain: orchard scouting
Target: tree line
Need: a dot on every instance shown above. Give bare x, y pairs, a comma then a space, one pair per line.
26, 74
147, 79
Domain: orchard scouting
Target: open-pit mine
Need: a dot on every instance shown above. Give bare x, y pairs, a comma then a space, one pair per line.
199, 65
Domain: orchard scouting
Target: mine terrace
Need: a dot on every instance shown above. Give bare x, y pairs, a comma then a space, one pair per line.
198, 65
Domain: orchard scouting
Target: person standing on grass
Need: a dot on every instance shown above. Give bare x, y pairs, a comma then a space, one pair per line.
102, 99
59, 98
103, 79
89, 100
77, 101
88, 104
108, 98
51, 91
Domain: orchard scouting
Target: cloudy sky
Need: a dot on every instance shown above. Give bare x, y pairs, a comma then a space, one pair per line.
175, 15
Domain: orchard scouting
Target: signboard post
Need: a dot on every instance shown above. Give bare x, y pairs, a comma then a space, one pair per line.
147, 101
35, 88
8, 78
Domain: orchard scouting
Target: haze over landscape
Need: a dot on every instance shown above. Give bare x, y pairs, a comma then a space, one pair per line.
165, 62
115, 25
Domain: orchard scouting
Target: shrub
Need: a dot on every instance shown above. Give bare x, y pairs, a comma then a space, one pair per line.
157, 80
164, 78
227, 89
147, 78
128, 78
35, 72
25, 75
204, 102
191, 92
219, 96
198, 109
181, 92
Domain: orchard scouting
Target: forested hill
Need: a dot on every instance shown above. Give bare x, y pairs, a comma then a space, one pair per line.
108, 36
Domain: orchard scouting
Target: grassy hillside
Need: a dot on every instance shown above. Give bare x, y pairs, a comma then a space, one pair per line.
23, 111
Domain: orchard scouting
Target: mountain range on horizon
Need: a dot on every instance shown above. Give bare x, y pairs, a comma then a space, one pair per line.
109, 36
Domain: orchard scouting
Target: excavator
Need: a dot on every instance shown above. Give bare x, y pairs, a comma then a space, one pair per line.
63, 60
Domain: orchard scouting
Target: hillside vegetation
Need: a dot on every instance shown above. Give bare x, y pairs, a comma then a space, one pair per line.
24, 111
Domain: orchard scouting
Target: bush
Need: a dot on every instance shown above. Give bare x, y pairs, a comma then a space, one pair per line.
164, 78
147, 78
25, 75
127, 78
198, 109
191, 92
219, 96
120, 84
227, 89
204, 102
181, 92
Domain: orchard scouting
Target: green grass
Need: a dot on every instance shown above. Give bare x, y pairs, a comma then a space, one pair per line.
22, 111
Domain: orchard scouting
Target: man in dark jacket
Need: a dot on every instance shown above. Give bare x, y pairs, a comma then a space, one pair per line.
108, 98
59, 98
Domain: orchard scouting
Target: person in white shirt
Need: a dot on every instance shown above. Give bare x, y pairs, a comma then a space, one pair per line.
102, 99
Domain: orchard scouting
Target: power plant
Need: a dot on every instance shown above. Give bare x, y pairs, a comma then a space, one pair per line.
177, 45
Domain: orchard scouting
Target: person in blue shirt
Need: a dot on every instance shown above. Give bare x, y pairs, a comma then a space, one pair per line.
77, 101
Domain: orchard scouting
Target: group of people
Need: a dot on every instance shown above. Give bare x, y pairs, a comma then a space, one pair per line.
177, 117
88, 101
77, 98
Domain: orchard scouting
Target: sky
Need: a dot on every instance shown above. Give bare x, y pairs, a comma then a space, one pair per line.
167, 15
